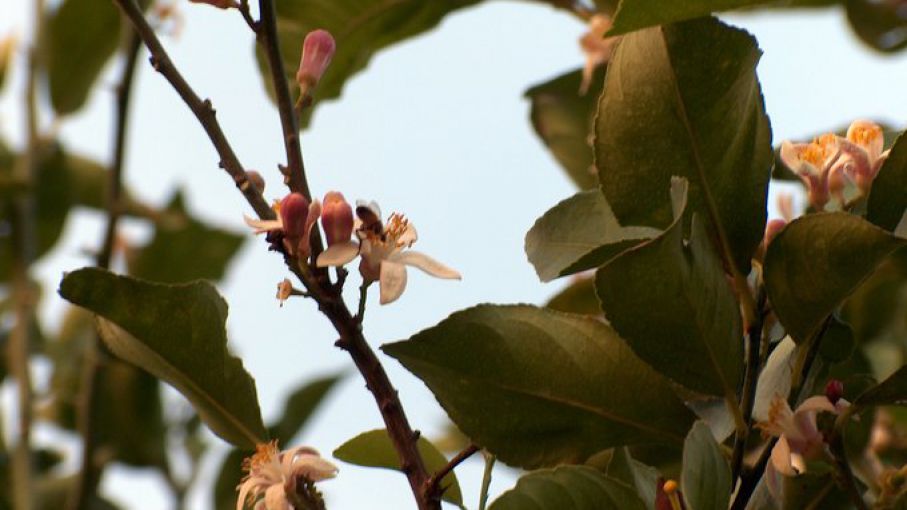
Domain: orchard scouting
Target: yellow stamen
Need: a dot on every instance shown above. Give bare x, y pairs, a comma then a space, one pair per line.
670, 490
864, 135
264, 453
396, 226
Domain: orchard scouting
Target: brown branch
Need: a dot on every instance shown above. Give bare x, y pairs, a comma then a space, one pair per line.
433, 486
294, 172
202, 109
754, 336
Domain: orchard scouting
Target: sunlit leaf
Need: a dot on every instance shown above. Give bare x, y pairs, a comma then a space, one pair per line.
706, 479
811, 267
536, 387
562, 118
568, 488
623, 467
684, 100
577, 234
375, 449
175, 332
578, 297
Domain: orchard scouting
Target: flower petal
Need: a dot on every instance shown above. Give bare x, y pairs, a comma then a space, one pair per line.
262, 226
781, 458
314, 468
791, 155
868, 135
816, 403
305, 244
426, 263
276, 498
338, 255
393, 281
409, 236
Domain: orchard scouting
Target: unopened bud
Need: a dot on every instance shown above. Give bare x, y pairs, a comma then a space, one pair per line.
336, 218
294, 209
317, 51
220, 4
834, 391
256, 179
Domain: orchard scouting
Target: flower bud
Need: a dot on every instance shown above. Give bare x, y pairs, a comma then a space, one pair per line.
317, 51
336, 218
834, 391
294, 210
256, 179
220, 4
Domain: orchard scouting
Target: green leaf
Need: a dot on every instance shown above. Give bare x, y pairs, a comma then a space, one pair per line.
537, 387
184, 249
811, 267
578, 297
671, 301
177, 333
635, 14
706, 478
881, 25
577, 234
82, 35
568, 488
360, 28
53, 493
563, 119
891, 391
625, 468
683, 100
375, 449
887, 201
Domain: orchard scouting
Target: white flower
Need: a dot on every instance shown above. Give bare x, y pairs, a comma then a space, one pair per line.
384, 252
269, 470
295, 218
863, 150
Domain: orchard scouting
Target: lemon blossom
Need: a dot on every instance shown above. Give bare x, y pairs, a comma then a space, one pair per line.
269, 471
295, 219
384, 252
863, 150
815, 163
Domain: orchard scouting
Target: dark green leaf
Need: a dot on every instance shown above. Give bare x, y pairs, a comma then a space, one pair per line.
706, 479
175, 332
229, 478
811, 266
568, 488
578, 297
52, 494
360, 27
880, 24
891, 391
837, 342
577, 234
888, 198
375, 449
82, 35
875, 309
537, 387
563, 118
813, 490
670, 300
684, 100
184, 249
625, 468
635, 14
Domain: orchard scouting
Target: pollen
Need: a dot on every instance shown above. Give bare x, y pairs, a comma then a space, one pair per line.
396, 226
864, 135
265, 453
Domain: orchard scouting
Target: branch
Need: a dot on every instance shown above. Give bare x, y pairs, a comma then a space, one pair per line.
750, 380
294, 172
203, 110
433, 486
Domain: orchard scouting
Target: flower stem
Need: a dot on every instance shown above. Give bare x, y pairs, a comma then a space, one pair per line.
486, 480
434, 483
755, 342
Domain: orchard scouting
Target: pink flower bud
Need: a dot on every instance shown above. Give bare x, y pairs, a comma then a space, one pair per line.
336, 218
317, 51
294, 210
220, 4
834, 391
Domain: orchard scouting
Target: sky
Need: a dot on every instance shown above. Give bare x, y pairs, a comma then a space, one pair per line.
435, 128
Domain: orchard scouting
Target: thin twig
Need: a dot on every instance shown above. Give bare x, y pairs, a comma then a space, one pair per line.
203, 110
95, 352
433, 486
486, 480
247, 16
363, 295
754, 336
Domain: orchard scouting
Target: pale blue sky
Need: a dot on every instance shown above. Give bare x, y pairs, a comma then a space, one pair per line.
435, 128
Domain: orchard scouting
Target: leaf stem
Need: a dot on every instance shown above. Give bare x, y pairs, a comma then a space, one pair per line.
203, 110
486, 480
755, 342
95, 353
433, 486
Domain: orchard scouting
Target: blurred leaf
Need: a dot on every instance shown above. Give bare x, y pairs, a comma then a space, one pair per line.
360, 27
635, 14
810, 267
813, 490
888, 198
891, 391
7, 49
881, 24
81, 37
184, 249
625, 468
536, 387
52, 493
568, 488
563, 119
837, 342
876, 307
683, 100
177, 333
298, 408
375, 449
677, 285
577, 234
706, 479
578, 297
